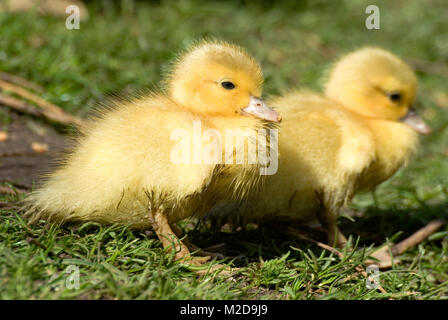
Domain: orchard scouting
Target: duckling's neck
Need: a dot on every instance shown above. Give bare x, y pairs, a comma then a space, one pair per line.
245, 133
394, 143
245, 169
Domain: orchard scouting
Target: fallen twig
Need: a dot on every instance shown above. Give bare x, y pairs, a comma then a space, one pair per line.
11, 191
20, 81
417, 236
18, 105
47, 109
37, 243
385, 259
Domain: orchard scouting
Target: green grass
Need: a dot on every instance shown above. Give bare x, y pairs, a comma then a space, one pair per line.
121, 49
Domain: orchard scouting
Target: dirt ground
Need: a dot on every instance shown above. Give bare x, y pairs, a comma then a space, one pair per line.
28, 149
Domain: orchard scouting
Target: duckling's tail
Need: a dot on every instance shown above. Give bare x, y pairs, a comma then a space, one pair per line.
46, 203
35, 209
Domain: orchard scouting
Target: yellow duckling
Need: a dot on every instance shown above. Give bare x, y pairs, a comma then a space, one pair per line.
350, 140
125, 168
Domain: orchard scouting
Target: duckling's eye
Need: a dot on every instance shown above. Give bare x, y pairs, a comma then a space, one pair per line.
228, 85
394, 96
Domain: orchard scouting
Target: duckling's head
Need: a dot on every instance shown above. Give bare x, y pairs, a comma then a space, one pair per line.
219, 79
376, 84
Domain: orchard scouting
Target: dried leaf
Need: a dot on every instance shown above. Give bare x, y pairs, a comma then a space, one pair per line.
39, 147
3, 136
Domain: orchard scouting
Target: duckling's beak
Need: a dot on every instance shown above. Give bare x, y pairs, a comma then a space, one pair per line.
259, 109
413, 120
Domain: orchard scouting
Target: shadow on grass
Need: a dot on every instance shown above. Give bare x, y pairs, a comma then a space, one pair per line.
269, 240
376, 225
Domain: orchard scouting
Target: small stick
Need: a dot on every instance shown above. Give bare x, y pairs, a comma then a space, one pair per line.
18, 105
29, 96
47, 109
8, 190
417, 236
34, 241
20, 81
384, 255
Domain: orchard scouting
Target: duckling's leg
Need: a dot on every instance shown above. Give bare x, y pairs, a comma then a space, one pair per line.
327, 215
335, 236
170, 241
160, 224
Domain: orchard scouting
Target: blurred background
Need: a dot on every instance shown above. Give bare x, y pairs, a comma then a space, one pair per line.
52, 76
123, 46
